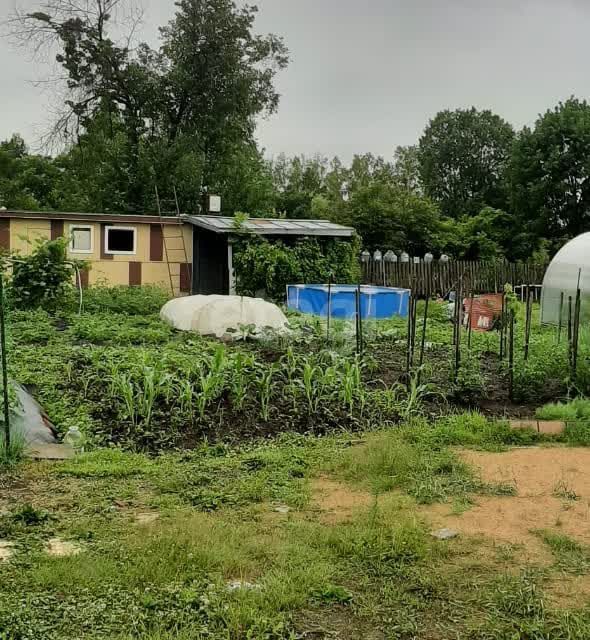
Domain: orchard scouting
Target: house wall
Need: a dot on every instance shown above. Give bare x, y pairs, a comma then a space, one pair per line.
146, 266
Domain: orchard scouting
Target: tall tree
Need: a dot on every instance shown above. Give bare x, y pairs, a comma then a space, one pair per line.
406, 168
197, 97
388, 217
463, 158
550, 177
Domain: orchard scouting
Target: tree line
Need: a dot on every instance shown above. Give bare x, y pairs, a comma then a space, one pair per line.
183, 116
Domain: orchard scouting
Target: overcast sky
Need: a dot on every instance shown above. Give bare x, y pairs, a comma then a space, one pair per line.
366, 75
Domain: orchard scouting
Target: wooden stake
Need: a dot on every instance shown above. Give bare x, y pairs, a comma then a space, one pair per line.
409, 337
528, 322
511, 355
560, 325
576, 333
502, 325
458, 320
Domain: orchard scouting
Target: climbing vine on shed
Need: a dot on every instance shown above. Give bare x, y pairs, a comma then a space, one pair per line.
260, 264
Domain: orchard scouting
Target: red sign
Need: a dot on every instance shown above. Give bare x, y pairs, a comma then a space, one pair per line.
484, 311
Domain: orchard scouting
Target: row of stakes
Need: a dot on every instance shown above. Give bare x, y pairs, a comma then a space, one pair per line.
507, 324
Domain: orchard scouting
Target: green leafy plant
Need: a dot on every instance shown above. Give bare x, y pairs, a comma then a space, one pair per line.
271, 266
44, 278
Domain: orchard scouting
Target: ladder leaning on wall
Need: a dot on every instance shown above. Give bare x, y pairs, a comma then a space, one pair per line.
166, 239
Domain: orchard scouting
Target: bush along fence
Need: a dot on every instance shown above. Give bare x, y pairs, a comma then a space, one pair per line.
440, 277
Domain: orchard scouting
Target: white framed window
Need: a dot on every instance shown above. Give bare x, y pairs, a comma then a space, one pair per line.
81, 240
120, 240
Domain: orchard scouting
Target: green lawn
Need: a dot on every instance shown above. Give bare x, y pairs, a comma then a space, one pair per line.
238, 542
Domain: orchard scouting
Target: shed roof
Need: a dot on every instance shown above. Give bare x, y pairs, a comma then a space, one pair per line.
91, 217
272, 226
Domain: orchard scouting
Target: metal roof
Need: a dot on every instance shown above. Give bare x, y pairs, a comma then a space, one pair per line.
272, 226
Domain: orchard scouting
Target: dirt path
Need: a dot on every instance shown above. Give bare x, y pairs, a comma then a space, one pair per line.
553, 492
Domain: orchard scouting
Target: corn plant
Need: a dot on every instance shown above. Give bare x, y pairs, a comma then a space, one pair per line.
185, 392
264, 383
212, 383
351, 388
239, 379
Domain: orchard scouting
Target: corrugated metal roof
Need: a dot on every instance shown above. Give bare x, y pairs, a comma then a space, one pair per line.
272, 226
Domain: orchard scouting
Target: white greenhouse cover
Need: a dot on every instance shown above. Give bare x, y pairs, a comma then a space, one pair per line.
221, 315
570, 266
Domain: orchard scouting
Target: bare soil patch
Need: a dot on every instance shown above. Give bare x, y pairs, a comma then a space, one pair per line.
62, 548
553, 492
6, 550
569, 592
337, 501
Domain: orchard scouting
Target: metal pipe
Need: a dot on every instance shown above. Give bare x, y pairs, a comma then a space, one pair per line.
511, 355
560, 324
4, 363
470, 329
423, 343
329, 307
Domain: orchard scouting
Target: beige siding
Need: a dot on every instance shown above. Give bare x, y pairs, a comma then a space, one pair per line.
115, 270
23, 234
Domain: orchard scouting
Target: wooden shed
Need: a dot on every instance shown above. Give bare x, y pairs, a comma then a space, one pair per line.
186, 254
213, 237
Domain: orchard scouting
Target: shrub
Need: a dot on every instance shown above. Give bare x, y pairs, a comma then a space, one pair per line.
43, 279
260, 264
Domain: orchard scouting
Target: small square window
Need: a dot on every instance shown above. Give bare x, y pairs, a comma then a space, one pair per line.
120, 240
81, 239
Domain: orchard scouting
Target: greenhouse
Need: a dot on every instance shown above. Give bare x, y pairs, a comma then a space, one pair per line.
569, 270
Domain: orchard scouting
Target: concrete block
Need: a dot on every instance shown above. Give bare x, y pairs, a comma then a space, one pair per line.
51, 452
525, 424
551, 427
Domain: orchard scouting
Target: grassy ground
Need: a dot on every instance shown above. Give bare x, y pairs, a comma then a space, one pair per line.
231, 543
193, 523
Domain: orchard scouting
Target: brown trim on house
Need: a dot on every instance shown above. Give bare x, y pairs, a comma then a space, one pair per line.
84, 278
103, 254
92, 217
5, 233
156, 244
185, 277
57, 229
134, 274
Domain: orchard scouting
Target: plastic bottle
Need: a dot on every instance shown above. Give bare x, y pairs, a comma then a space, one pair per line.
74, 439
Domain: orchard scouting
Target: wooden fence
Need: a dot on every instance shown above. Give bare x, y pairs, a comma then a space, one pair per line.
440, 278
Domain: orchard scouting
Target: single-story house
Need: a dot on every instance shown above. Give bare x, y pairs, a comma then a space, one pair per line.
184, 253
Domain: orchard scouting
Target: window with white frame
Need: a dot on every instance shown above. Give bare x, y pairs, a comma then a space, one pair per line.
81, 238
120, 240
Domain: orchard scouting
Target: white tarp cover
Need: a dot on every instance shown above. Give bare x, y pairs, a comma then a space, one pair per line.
28, 419
570, 266
222, 315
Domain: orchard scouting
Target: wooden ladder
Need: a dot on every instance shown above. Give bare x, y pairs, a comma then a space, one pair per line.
167, 238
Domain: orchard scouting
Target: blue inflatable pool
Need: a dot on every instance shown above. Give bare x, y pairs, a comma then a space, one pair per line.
376, 302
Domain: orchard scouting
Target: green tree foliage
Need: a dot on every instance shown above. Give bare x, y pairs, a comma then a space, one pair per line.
158, 116
298, 180
550, 177
480, 237
463, 158
26, 181
388, 217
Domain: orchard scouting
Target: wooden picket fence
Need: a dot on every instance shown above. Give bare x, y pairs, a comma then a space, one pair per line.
440, 278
